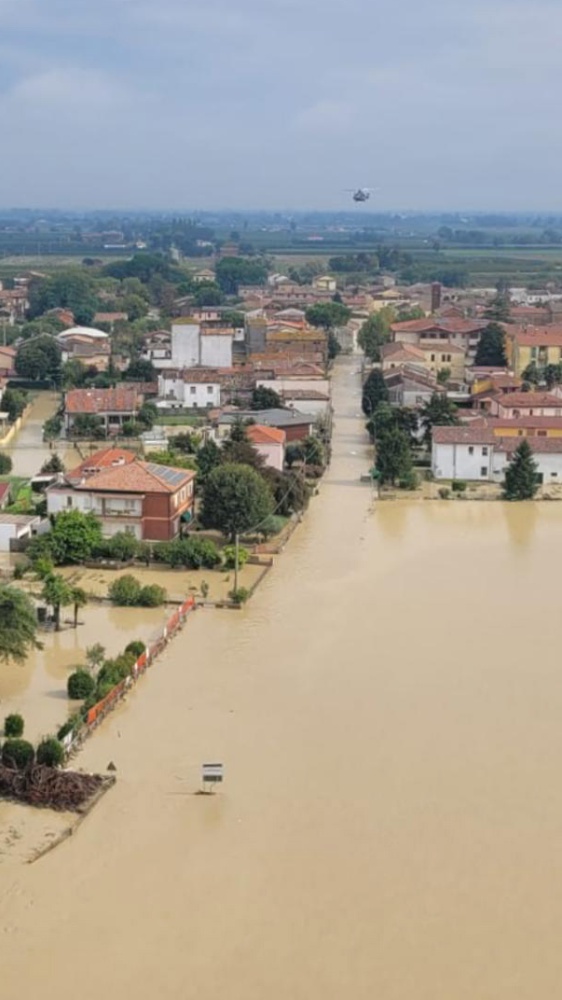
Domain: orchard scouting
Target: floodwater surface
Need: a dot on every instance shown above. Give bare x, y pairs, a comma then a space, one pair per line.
389, 713
27, 450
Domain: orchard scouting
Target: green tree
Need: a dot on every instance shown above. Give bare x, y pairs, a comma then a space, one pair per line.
74, 536
13, 726
235, 499
38, 358
95, 655
521, 481
50, 752
73, 374
208, 458
14, 402
5, 464
125, 591
52, 428
312, 450
443, 376
438, 411
57, 593
140, 371
264, 398
328, 315
532, 374
375, 391
231, 272
208, 294
491, 346
387, 417
375, 332
79, 600
88, 425
147, 414
499, 308
552, 375
18, 625
135, 306
293, 453
238, 449
69, 288
394, 457
334, 346
54, 464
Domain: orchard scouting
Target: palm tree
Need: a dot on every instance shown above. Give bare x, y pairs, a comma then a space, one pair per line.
79, 600
58, 593
18, 625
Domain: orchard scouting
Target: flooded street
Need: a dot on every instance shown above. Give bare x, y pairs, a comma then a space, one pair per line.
27, 450
389, 713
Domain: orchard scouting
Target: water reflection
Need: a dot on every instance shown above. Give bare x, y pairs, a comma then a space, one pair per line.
521, 520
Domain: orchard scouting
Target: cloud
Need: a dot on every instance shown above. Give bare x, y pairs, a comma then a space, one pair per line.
170, 103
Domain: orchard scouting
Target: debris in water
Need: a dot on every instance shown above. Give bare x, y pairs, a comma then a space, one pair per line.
111, 766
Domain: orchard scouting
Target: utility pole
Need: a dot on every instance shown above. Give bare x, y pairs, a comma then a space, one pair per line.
236, 558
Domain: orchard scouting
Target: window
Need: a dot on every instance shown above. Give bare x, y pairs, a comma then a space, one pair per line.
520, 434
470, 450
433, 357
193, 389
553, 473
484, 470
209, 388
484, 451
541, 434
69, 501
531, 413
533, 353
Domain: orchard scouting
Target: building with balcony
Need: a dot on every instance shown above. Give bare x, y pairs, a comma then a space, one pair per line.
148, 500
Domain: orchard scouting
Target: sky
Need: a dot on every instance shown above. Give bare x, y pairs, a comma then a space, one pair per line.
281, 104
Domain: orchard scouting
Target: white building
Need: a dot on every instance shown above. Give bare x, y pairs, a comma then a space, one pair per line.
193, 346
198, 389
15, 528
475, 453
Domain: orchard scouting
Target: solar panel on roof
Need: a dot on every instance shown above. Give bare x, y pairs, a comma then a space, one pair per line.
172, 476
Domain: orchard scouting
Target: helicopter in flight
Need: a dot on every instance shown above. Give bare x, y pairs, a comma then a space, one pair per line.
361, 194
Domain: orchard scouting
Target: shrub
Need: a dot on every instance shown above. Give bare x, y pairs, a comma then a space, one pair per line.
80, 685
13, 726
444, 493
239, 596
152, 596
458, 485
71, 724
5, 464
50, 752
18, 754
229, 555
272, 525
137, 647
125, 592
409, 481
204, 588
122, 546
193, 553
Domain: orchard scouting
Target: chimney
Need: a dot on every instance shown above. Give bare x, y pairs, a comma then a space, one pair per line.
435, 296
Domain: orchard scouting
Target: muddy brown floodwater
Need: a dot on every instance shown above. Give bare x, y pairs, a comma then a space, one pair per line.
28, 451
389, 713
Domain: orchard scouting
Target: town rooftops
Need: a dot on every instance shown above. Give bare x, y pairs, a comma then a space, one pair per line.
445, 324
463, 434
398, 351
106, 458
530, 399
259, 434
83, 331
136, 477
544, 445
270, 418
304, 394
119, 400
536, 336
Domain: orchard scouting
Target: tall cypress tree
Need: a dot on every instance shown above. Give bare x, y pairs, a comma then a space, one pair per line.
521, 482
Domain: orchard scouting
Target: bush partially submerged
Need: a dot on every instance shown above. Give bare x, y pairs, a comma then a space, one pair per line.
128, 592
13, 725
17, 754
229, 555
50, 752
80, 685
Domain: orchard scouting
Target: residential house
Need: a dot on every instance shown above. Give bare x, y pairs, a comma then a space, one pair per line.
270, 443
464, 333
476, 453
16, 530
194, 345
312, 401
204, 276
157, 348
525, 404
296, 425
411, 386
438, 358
197, 388
539, 344
7, 361
113, 406
148, 500
14, 304
86, 344
325, 283
396, 354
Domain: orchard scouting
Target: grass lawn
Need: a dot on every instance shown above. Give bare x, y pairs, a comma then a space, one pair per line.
180, 421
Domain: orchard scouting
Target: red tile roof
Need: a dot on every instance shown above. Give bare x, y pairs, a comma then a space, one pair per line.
119, 400
536, 336
258, 434
106, 458
548, 445
530, 399
445, 324
463, 434
138, 477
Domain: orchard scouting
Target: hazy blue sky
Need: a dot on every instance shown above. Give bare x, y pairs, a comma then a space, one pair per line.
280, 103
